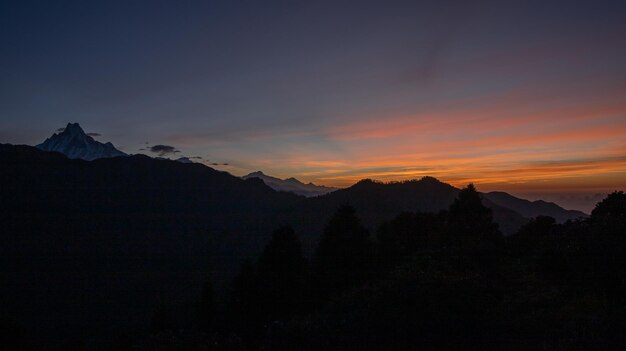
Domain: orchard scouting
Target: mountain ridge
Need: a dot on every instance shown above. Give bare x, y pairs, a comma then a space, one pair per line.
531, 209
291, 184
376, 202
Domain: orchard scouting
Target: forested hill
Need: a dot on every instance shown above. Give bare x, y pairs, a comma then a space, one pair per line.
376, 202
94, 246
138, 184
97, 246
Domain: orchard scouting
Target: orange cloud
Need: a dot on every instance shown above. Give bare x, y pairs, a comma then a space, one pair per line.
530, 138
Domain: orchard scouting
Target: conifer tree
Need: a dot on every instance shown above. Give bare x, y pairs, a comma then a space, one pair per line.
344, 257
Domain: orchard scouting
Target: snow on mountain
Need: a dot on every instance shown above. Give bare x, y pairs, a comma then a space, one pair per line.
73, 142
184, 160
291, 185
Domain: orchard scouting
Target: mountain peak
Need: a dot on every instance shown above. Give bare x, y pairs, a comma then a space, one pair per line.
184, 160
74, 129
73, 142
293, 180
366, 182
429, 179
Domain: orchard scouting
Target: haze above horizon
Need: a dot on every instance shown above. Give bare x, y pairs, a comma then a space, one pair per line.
524, 97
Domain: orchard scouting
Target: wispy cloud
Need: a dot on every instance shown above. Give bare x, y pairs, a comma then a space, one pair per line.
164, 150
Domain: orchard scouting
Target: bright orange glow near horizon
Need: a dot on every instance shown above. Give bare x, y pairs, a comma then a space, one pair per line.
523, 143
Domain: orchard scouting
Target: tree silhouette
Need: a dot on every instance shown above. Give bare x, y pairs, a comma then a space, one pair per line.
406, 235
244, 309
344, 257
613, 207
275, 290
281, 274
471, 222
607, 250
533, 236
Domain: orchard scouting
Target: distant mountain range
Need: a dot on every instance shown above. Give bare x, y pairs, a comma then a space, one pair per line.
292, 185
377, 201
74, 143
531, 209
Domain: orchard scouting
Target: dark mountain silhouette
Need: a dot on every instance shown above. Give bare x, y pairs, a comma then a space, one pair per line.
531, 209
73, 142
376, 202
98, 245
444, 281
291, 185
113, 237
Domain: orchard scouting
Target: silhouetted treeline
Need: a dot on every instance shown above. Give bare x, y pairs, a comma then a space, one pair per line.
433, 281
136, 253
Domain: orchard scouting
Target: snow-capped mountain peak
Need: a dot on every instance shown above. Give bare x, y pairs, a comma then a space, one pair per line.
184, 160
73, 142
292, 185
75, 130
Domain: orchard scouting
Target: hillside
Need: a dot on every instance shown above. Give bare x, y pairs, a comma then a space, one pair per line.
377, 202
113, 237
532, 209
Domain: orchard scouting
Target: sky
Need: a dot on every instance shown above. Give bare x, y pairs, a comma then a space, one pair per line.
527, 97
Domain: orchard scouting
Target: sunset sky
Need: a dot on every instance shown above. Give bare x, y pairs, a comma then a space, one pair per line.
527, 97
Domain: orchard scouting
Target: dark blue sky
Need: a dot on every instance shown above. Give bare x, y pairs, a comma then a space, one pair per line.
330, 91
